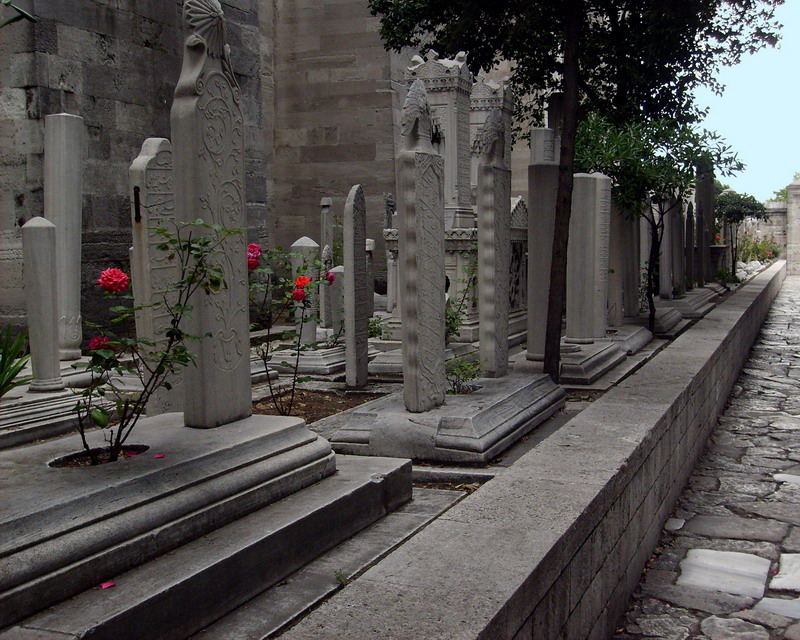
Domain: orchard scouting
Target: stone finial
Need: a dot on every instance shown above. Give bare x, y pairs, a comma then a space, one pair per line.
415, 121
206, 22
490, 143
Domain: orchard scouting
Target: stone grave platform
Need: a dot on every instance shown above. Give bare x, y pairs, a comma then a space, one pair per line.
67, 530
695, 304
631, 338
590, 362
389, 364
474, 427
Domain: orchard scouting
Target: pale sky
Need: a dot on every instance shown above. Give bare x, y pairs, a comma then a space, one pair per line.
759, 113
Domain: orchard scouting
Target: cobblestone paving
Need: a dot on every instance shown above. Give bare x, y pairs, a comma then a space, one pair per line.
728, 563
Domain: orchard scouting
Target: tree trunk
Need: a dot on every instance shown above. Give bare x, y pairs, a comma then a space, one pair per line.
558, 265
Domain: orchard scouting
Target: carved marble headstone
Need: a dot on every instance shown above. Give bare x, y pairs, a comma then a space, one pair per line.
587, 258
208, 158
356, 291
304, 254
64, 154
41, 306
421, 247
152, 207
494, 245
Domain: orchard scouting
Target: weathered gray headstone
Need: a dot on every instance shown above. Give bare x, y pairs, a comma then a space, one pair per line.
305, 252
356, 291
665, 255
421, 246
370, 248
324, 295
704, 211
39, 251
494, 245
64, 154
326, 242
587, 258
152, 207
677, 248
616, 267
208, 158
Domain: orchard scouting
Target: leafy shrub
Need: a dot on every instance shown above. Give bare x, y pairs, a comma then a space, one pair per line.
12, 360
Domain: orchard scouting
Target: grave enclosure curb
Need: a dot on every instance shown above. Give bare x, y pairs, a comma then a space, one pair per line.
553, 547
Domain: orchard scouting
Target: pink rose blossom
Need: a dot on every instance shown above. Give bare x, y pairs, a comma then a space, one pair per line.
99, 342
114, 280
330, 277
298, 295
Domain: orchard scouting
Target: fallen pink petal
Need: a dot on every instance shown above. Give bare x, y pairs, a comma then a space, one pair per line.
107, 585
159, 455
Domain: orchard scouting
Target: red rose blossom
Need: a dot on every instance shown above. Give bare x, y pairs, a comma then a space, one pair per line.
302, 281
114, 280
252, 263
298, 295
330, 277
99, 342
254, 250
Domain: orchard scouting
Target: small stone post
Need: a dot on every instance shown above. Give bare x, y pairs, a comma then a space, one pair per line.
39, 251
421, 247
64, 156
304, 254
494, 245
356, 307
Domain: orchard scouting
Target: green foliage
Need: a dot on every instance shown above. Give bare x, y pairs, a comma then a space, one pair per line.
734, 208
19, 14
724, 276
783, 194
12, 361
638, 60
761, 249
193, 247
377, 325
460, 372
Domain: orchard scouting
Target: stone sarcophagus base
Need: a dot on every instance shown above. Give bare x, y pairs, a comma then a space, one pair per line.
474, 427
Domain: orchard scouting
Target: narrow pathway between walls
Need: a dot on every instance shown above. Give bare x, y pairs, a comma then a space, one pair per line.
728, 563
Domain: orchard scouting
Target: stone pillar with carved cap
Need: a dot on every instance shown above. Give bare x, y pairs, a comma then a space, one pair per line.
448, 83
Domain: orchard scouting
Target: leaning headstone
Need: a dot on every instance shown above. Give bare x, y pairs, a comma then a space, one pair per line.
41, 306
421, 240
494, 245
356, 291
153, 207
208, 159
305, 253
64, 153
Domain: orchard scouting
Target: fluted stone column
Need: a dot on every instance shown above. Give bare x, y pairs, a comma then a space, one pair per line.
41, 303
64, 157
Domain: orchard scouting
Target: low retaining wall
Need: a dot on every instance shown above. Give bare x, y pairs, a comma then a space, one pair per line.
552, 548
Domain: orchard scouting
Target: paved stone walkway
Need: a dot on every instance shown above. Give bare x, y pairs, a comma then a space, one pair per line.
728, 564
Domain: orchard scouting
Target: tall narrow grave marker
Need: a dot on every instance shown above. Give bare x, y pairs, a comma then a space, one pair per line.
356, 304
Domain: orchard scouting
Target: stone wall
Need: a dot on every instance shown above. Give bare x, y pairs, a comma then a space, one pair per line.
114, 62
552, 548
335, 107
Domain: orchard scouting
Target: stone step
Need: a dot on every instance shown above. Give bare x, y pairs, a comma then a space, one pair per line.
63, 530
185, 590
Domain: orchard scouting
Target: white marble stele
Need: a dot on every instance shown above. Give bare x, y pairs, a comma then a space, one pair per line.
357, 293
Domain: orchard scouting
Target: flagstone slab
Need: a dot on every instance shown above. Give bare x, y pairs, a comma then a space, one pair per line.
788, 577
736, 527
732, 629
783, 607
738, 573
